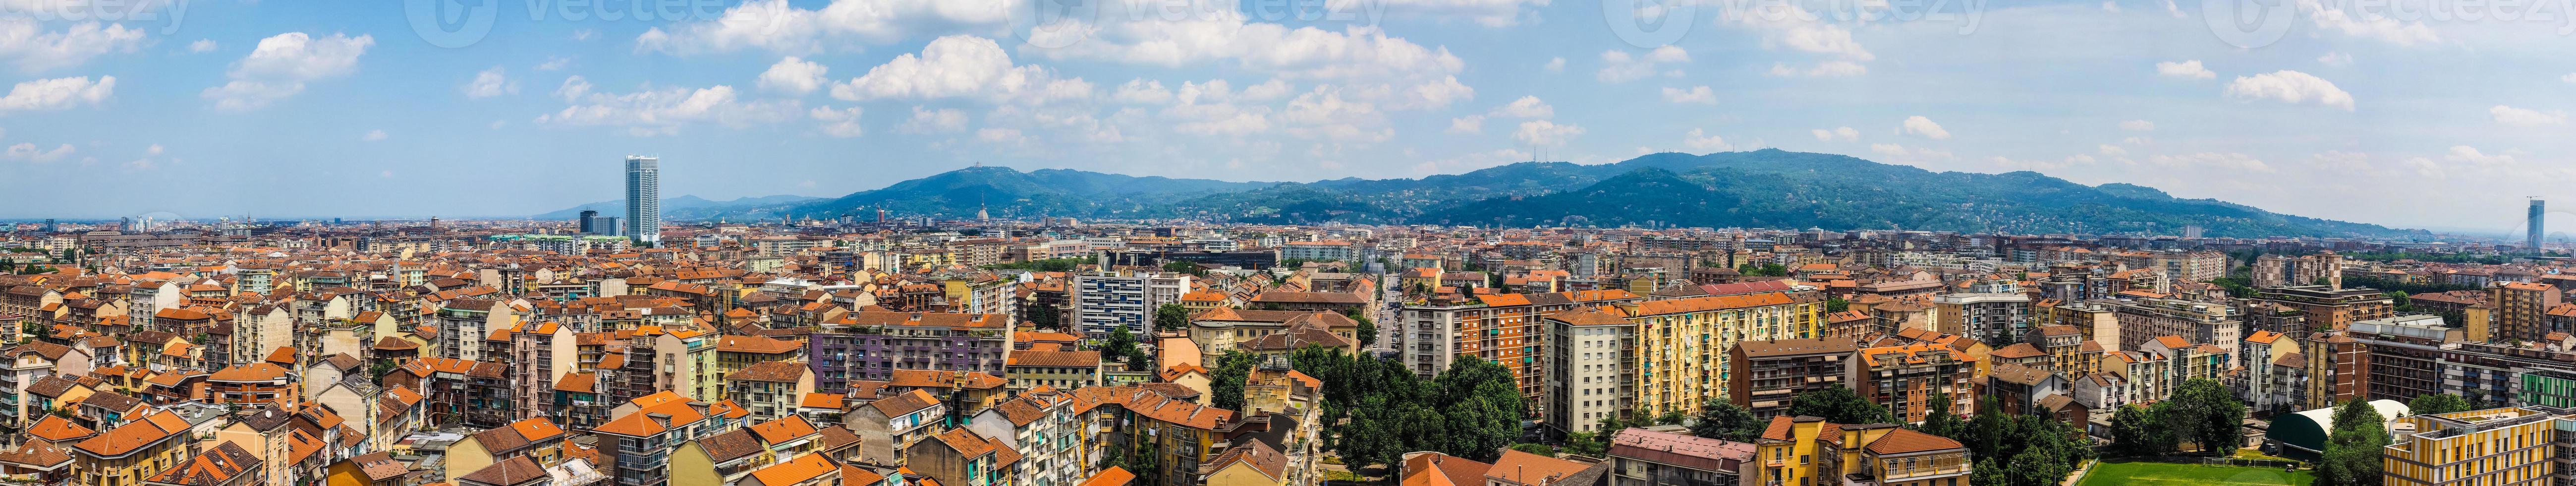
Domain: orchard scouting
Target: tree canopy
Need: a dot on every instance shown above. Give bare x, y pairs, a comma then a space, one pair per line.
2436, 404
1840, 405
2353, 449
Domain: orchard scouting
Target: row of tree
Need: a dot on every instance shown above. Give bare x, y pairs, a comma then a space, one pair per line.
1377, 410
2007, 449
2202, 411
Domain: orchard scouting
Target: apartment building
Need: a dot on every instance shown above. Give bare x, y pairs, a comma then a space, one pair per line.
2147, 320
1768, 373
2498, 446
872, 345
1592, 369
1906, 378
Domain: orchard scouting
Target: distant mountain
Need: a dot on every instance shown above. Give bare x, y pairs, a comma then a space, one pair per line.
1011, 193
688, 207
1764, 188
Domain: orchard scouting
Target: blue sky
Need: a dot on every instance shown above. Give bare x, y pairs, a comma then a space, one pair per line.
2351, 110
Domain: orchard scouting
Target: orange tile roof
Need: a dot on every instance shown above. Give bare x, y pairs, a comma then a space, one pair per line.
801, 469
784, 430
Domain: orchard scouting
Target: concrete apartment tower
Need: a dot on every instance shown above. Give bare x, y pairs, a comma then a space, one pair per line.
2532, 239
644, 199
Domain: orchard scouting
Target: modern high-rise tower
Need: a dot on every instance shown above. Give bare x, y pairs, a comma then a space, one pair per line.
2532, 238
644, 199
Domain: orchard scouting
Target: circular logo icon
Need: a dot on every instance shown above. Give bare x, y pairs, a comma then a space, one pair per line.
2248, 24
451, 23
1053, 24
1649, 24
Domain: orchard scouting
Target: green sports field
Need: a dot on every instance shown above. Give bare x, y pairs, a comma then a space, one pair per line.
2163, 474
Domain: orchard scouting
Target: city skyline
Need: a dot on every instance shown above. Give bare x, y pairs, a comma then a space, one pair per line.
357, 97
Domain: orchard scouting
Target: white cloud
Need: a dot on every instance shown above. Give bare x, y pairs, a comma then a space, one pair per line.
2211, 160
960, 66
202, 45
945, 120
2471, 155
1557, 65
2138, 126
1007, 135
1847, 134
1526, 107
1467, 124
2109, 150
1489, 13
2570, 77
650, 112
2187, 70
155, 149
776, 26
2337, 59
1924, 127
1619, 66
841, 123
2367, 24
57, 94
1696, 94
1213, 32
554, 63
2291, 87
1323, 114
27, 42
1889, 149
2110, 6
28, 152
1543, 132
1698, 140
1142, 91
2037, 165
373, 135
1788, 25
489, 83
1827, 69
2526, 117
282, 64
579, 35
793, 75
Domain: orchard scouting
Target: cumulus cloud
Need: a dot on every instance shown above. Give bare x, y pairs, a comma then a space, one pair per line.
1825, 69
1619, 66
2186, 69
2291, 87
1489, 13
1526, 107
202, 45
2109, 150
1467, 124
282, 64
776, 26
794, 75
2470, 155
841, 123
489, 83
1696, 94
57, 94
373, 135
1543, 132
649, 112
1557, 65
33, 46
2138, 126
2366, 24
2337, 59
1700, 140
29, 152
1323, 114
2212, 160
960, 66
925, 120
1790, 26
1846, 134
2525, 117
1924, 127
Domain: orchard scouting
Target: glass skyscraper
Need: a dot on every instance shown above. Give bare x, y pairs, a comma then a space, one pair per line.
644, 199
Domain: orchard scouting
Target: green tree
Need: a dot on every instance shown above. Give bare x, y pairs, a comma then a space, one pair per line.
1937, 419
1726, 421
1172, 316
1836, 304
2037, 467
1840, 405
2353, 449
1225, 384
1122, 344
1367, 327
1988, 473
1484, 407
2436, 404
2205, 412
1539, 449
2136, 430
